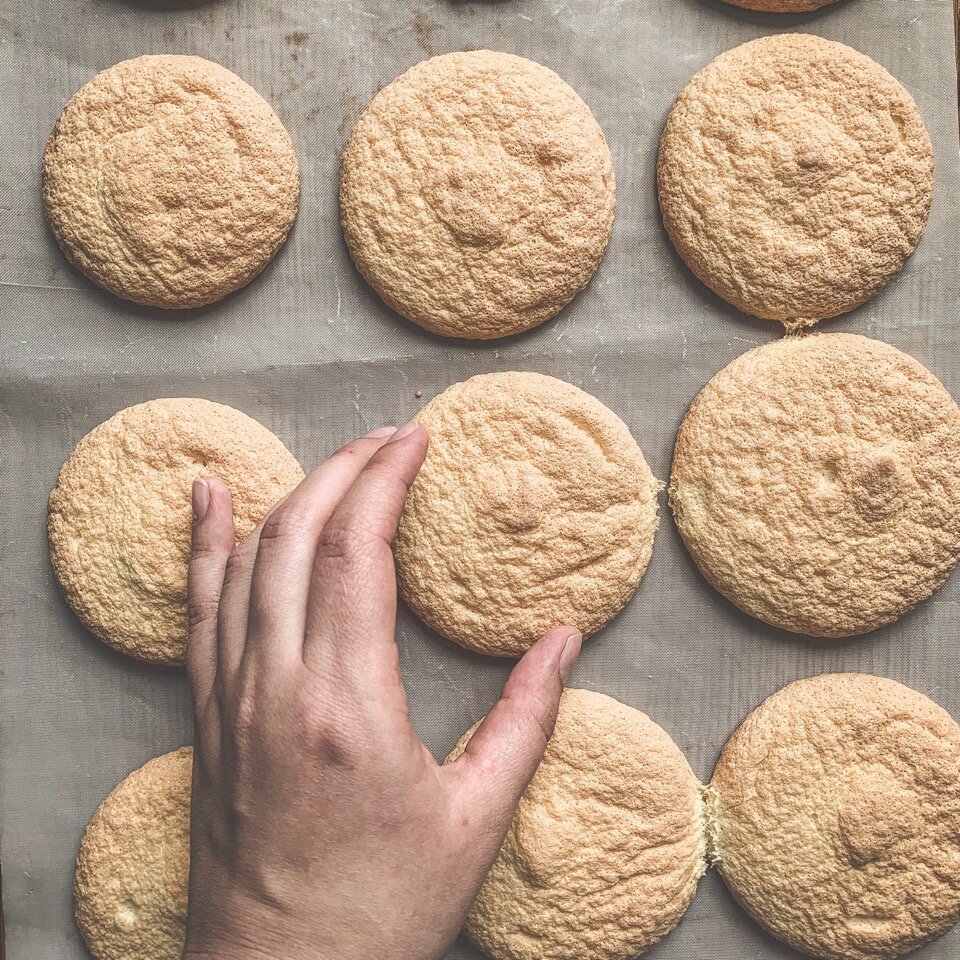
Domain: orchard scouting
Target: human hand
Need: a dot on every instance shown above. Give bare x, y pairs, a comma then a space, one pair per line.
321, 826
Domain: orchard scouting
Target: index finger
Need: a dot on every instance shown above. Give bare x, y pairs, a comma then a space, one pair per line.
351, 615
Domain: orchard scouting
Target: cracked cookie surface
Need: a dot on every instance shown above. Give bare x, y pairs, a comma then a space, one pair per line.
534, 508
120, 517
795, 177
606, 847
837, 804
816, 483
130, 885
477, 194
169, 181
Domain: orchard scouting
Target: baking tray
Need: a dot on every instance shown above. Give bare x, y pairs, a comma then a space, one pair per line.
312, 353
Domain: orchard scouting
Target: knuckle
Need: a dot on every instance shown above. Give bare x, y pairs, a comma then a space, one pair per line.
240, 561
536, 725
332, 749
201, 552
286, 524
347, 544
327, 728
201, 609
244, 713
532, 716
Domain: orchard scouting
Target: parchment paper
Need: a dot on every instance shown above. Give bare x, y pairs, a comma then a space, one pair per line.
311, 352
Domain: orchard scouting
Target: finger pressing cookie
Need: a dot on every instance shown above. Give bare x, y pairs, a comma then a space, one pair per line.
120, 514
606, 847
534, 508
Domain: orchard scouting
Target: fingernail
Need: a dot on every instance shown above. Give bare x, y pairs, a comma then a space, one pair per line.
568, 658
404, 431
200, 495
380, 432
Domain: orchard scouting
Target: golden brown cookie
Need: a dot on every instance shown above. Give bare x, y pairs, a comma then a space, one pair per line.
477, 194
606, 847
120, 515
795, 177
837, 805
169, 181
816, 483
534, 508
130, 888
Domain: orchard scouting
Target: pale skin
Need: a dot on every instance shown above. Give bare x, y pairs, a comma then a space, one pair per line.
322, 828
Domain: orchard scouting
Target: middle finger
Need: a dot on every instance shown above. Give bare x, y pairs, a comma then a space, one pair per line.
286, 549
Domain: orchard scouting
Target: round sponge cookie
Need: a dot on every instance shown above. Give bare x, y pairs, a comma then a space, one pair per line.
130, 887
533, 508
477, 194
816, 483
836, 807
795, 177
120, 516
606, 847
169, 181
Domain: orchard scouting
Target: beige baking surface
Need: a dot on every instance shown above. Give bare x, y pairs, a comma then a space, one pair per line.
312, 353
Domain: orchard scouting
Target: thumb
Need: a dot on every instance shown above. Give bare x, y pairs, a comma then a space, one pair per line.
506, 748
